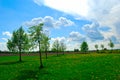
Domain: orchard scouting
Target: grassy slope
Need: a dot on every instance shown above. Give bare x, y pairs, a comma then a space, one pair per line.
64, 67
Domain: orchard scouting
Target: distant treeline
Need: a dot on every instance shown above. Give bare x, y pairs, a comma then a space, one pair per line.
75, 51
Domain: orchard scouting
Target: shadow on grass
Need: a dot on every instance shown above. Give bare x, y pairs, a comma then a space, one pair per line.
31, 74
10, 63
27, 75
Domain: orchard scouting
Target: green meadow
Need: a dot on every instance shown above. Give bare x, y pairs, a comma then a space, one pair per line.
63, 67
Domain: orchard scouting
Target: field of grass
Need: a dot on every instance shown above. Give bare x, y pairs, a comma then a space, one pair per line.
63, 67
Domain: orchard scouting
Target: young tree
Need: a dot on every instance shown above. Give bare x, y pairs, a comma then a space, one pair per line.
96, 46
36, 36
111, 44
62, 47
56, 46
19, 42
45, 43
102, 46
84, 46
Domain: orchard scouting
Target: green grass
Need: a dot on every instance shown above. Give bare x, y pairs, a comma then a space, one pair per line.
63, 67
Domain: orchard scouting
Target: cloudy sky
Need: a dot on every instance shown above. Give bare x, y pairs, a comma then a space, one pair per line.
70, 21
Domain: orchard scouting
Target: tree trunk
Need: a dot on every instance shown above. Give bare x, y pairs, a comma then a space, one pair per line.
57, 52
46, 53
20, 56
63, 52
20, 53
41, 65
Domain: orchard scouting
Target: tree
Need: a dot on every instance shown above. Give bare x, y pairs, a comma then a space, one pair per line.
62, 47
36, 36
19, 42
45, 43
111, 44
84, 46
96, 46
56, 46
102, 46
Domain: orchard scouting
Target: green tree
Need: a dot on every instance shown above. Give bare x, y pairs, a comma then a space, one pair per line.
56, 46
36, 36
111, 44
102, 46
84, 46
96, 46
19, 42
62, 47
45, 43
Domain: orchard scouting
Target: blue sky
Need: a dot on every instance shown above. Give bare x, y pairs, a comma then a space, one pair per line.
71, 21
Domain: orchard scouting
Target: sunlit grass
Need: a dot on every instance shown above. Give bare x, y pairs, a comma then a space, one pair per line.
63, 67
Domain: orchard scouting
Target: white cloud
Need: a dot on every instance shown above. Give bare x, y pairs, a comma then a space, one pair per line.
7, 33
76, 36
74, 7
106, 12
92, 31
5, 39
61, 39
3, 47
50, 22
64, 21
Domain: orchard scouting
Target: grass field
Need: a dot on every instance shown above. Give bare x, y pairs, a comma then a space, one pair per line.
63, 67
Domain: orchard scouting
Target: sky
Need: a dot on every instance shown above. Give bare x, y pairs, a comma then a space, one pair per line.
69, 21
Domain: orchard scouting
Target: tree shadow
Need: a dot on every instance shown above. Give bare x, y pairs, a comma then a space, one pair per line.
27, 75
10, 63
31, 74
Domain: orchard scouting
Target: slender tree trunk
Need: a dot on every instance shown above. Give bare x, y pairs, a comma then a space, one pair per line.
46, 53
20, 53
57, 52
41, 65
20, 56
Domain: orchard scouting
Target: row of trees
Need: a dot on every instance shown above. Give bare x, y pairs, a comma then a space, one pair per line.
58, 47
35, 38
21, 41
84, 46
110, 44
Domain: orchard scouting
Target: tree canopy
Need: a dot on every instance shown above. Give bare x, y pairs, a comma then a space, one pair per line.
19, 41
84, 46
111, 44
36, 37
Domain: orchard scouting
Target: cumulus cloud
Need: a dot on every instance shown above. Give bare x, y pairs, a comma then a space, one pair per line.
50, 22
64, 21
92, 31
61, 39
106, 12
76, 36
7, 33
3, 47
